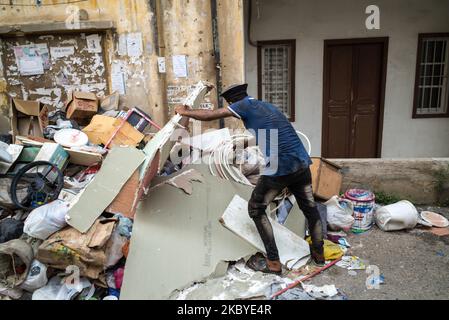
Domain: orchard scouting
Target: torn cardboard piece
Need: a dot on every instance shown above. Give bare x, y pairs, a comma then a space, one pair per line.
117, 168
86, 251
292, 248
178, 239
101, 129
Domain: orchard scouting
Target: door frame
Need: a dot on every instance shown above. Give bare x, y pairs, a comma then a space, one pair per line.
354, 41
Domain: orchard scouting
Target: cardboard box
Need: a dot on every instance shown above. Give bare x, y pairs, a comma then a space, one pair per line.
81, 105
54, 153
28, 118
326, 178
101, 129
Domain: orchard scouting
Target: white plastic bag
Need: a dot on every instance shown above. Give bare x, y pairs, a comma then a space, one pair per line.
339, 214
46, 220
57, 289
37, 277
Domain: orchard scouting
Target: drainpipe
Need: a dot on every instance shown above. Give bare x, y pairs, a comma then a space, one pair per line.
216, 41
157, 27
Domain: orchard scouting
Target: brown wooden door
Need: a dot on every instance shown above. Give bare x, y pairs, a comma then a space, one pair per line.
354, 86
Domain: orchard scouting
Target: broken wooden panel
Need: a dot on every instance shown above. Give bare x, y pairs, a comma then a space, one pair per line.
117, 168
161, 142
292, 249
127, 200
178, 239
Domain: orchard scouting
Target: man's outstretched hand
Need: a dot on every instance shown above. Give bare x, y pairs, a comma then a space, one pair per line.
182, 110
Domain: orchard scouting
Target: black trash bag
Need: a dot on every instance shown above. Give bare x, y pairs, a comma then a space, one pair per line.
10, 229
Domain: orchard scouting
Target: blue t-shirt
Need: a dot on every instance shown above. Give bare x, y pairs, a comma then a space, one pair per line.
283, 150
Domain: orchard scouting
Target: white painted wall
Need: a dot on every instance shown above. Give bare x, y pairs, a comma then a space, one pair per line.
312, 22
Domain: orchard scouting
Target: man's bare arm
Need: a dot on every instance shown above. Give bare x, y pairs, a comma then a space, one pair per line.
204, 115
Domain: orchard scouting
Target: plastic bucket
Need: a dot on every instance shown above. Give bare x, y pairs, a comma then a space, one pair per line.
397, 216
363, 201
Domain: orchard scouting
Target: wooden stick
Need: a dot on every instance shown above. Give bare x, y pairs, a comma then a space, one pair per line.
294, 284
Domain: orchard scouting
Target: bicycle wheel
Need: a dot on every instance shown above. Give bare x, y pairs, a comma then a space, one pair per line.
36, 184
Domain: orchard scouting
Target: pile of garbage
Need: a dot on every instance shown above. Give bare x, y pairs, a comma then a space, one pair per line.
69, 188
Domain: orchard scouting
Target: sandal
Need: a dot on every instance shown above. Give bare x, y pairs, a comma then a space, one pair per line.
258, 262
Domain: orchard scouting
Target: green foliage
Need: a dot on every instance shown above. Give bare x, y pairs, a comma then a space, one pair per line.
386, 198
442, 183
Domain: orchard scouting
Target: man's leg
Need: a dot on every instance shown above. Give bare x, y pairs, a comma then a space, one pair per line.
301, 187
266, 190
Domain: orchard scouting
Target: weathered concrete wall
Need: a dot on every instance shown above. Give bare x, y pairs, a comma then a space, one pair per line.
168, 27
410, 179
128, 16
312, 22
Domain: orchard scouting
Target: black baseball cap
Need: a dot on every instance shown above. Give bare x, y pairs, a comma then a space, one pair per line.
235, 93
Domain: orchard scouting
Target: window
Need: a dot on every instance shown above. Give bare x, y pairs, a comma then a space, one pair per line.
432, 86
276, 74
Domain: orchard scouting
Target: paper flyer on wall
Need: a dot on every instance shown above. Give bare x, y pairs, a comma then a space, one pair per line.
118, 79
180, 66
94, 43
134, 44
61, 52
29, 60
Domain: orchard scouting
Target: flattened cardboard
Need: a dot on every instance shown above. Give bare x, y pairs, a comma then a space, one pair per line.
117, 168
178, 239
101, 129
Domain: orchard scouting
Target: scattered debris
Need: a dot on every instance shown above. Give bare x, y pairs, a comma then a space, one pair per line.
351, 263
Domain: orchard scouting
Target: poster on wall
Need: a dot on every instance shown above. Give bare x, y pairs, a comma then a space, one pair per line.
32, 59
94, 43
180, 66
134, 44
118, 79
61, 52
161, 64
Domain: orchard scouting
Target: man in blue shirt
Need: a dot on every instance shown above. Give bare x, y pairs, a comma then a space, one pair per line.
287, 166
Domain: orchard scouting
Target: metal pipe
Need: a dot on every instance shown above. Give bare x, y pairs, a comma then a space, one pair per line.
217, 56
